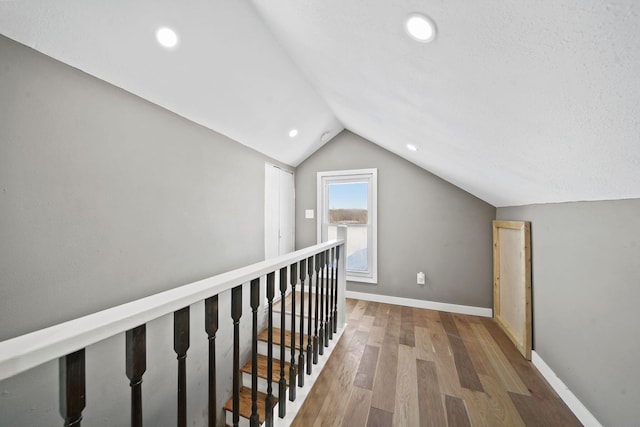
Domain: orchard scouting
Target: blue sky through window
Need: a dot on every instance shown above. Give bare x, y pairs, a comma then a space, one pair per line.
352, 195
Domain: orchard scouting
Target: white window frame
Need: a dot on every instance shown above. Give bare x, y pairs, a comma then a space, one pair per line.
356, 175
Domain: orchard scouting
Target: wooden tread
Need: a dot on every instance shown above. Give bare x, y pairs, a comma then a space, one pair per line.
277, 307
245, 404
262, 368
287, 338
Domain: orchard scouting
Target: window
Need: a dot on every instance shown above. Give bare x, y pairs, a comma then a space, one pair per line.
349, 198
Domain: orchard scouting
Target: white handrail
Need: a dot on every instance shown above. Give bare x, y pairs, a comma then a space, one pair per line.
30, 350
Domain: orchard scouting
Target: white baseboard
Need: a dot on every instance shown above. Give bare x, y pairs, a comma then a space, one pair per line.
570, 399
430, 305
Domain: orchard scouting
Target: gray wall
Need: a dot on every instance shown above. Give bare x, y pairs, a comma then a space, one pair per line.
105, 198
424, 224
586, 289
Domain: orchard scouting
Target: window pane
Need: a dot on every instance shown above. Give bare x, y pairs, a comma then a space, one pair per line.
348, 199
348, 203
357, 254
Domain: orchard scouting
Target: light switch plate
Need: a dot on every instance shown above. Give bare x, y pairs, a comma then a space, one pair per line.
308, 213
421, 278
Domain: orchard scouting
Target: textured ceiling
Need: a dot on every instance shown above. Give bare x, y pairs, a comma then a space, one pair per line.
516, 102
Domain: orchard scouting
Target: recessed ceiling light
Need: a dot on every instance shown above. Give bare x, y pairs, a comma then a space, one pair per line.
167, 37
420, 27
293, 133
412, 147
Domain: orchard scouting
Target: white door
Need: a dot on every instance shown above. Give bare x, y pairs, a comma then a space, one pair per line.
271, 211
279, 206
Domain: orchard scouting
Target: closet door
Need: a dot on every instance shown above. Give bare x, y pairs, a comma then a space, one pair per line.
286, 212
279, 205
512, 282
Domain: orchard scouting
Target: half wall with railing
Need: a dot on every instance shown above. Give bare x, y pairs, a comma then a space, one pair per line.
315, 279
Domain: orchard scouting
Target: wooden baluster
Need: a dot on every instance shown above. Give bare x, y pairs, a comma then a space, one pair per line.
335, 299
282, 391
255, 303
269, 399
72, 387
136, 365
315, 336
180, 346
327, 265
236, 314
323, 278
330, 305
323, 302
303, 273
310, 317
211, 327
293, 278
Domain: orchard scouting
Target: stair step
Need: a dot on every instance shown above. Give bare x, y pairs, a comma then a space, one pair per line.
245, 404
276, 320
262, 369
264, 336
277, 308
262, 361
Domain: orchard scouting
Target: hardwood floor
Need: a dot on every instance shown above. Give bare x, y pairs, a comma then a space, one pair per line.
401, 366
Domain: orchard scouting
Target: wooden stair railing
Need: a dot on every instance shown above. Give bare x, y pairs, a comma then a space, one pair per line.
269, 401
293, 276
211, 327
67, 341
180, 346
136, 364
309, 318
256, 399
72, 387
282, 389
292, 375
335, 285
303, 272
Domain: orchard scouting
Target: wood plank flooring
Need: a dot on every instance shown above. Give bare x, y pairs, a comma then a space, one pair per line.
401, 366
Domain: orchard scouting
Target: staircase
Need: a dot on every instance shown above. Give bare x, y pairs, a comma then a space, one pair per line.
283, 406
264, 391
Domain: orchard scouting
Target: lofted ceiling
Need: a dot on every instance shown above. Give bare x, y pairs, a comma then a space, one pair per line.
517, 102
228, 73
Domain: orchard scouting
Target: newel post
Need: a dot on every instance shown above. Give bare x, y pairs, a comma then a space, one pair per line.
341, 260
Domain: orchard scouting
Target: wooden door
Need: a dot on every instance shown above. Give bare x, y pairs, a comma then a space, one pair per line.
512, 282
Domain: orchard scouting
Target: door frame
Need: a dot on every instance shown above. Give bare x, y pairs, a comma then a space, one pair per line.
512, 296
